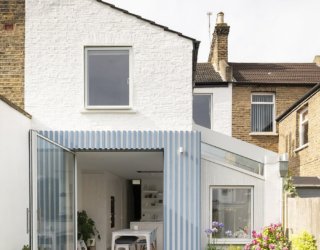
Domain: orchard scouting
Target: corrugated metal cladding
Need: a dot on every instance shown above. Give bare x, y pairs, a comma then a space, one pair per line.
181, 173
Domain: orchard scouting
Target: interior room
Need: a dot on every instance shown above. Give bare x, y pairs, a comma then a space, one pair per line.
121, 190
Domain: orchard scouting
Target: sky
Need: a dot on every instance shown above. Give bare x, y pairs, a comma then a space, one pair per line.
260, 30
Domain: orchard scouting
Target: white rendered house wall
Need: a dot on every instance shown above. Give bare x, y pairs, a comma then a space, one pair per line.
221, 120
14, 177
57, 33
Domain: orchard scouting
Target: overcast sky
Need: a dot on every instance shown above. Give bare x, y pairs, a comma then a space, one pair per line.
261, 30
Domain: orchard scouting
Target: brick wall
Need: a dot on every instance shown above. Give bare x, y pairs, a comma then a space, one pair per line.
12, 50
304, 162
241, 111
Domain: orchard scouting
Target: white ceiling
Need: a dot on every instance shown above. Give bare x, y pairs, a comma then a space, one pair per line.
124, 164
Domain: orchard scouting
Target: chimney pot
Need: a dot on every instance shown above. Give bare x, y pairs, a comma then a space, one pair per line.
220, 18
316, 60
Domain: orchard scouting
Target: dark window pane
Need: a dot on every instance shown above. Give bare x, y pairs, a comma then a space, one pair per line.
262, 117
232, 207
202, 110
108, 74
262, 98
305, 128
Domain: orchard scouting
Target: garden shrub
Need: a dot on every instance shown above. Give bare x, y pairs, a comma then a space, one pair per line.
272, 237
303, 241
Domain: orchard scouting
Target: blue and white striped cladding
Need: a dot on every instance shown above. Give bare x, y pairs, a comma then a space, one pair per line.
181, 173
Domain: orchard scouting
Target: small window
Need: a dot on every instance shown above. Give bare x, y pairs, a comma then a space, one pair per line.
304, 127
107, 77
262, 112
232, 206
202, 109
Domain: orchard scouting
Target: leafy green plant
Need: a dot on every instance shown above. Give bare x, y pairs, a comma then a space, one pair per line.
289, 188
303, 241
26, 247
86, 227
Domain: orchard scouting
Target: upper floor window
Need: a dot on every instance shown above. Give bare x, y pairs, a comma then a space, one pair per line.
202, 110
107, 72
303, 127
262, 112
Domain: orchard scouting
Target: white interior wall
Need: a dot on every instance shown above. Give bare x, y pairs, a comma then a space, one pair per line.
95, 193
14, 177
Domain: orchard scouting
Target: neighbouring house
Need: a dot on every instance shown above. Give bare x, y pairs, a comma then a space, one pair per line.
299, 137
112, 133
249, 96
299, 132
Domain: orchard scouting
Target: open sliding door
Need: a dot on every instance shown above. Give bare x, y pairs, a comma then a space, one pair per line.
52, 195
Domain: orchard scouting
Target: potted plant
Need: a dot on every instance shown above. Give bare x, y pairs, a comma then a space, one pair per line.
86, 227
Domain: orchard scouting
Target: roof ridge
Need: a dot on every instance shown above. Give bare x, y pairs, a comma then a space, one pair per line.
149, 21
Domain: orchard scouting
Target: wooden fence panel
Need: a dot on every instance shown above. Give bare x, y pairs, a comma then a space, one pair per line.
304, 214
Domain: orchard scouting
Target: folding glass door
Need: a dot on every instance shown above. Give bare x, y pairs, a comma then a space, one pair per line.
53, 195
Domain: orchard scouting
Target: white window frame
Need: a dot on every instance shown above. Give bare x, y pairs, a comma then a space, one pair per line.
273, 132
205, 91
301, 124
223, 241
130, 80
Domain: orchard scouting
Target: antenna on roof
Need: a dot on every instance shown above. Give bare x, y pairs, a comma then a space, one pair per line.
209, 17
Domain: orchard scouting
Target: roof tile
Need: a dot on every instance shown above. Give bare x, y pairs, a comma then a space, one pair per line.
206, 74
292, 73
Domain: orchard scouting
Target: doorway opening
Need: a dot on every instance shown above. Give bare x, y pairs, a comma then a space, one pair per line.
121, 190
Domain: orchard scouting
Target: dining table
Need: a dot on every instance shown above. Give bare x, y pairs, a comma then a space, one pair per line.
148, 234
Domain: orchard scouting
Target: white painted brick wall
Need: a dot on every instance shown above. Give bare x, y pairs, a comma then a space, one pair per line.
57, 32
221, 108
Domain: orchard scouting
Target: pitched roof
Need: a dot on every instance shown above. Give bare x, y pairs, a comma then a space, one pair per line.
205, 73
14, 106
296, 104
290, 73
147, 20
196, 43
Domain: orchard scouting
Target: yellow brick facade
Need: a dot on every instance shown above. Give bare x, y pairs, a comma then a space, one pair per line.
241, 110
12, 28
304, 162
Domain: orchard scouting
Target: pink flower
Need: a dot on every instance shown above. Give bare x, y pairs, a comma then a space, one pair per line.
247, 246
254, 234
272, 246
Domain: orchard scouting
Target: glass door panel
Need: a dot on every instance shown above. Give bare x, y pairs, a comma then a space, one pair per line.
53, 197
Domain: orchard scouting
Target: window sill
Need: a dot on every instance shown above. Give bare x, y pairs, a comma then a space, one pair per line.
108, 111
264, 133
301, 147
227, 241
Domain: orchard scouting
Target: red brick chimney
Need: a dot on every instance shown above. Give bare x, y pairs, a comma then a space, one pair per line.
219, 45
